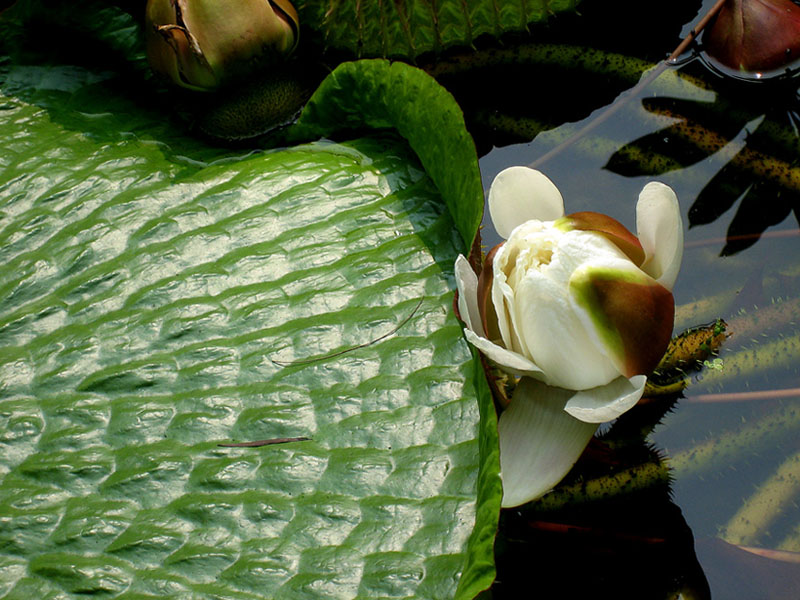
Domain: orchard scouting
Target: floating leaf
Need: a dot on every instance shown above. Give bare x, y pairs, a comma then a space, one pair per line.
148, 282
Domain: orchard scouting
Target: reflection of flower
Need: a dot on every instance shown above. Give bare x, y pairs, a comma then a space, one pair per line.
577, 306
200, 44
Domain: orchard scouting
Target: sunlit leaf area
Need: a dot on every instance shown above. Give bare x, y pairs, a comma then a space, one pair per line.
272, 318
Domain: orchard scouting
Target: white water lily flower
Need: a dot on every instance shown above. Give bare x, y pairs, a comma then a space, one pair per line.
579, 307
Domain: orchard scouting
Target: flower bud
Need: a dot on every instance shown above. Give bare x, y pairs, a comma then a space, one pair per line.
755, 36
202, 44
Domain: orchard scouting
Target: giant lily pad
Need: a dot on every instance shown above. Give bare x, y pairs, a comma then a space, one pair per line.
160, 297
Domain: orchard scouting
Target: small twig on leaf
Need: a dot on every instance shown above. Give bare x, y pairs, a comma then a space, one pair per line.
260, 443
306, 361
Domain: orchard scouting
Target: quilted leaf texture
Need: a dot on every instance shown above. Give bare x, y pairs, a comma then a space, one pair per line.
155, 305
408, 28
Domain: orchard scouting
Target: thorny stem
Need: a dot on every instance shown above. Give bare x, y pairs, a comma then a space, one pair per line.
758, 358
633, 479
633, 92
695, 32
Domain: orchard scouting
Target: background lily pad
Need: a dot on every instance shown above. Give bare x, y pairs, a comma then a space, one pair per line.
154, 287
409, 28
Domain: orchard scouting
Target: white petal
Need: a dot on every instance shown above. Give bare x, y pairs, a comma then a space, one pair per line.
557, 337
607, 402
508, 360
527, 235
539, 442
503, 301
520, 194
660, 231
467, 284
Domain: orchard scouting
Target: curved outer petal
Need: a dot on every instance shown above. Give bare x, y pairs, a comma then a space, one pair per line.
467, 284
612, 230
520, 194
172, 50
660, 231
628, 315
200, 44
539, 442
177, 56
508, 360
607, 402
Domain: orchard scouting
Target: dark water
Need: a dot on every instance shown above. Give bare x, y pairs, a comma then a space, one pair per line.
732, 439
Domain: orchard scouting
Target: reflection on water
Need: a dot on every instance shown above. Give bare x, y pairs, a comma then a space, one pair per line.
730, 151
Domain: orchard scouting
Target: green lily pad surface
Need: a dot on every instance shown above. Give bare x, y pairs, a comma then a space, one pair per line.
160, 298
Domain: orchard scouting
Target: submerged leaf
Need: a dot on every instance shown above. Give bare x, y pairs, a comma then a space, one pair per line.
751, 523
686, 352
693, 346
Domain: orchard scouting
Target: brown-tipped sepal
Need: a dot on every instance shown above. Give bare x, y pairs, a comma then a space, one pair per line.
609, 228
627, 312
485, 305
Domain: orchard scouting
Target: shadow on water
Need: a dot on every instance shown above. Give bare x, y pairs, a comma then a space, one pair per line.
730, 150
762, 175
